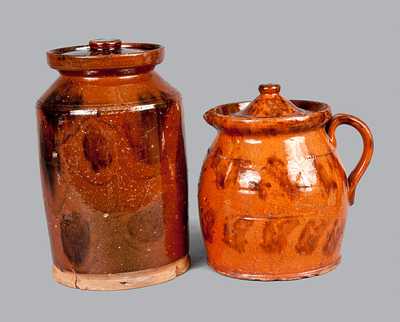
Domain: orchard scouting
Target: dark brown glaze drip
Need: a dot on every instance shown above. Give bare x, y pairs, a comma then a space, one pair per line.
235, 234
49, 121
65, 95
75, 236
334, 238
220, 167
277, 169
96, 149
329, 185
207, 225
47, 148
227, 170
146, 97
276, 234
143, 137
263, 189
310, 236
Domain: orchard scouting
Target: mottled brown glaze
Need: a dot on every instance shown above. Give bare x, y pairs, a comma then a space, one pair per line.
113, 162
273, 195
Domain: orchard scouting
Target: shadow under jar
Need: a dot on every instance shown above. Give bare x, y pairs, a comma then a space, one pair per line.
113, 168
273, 195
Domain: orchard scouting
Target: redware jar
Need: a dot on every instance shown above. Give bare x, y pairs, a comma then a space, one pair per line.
113, 167
273, 194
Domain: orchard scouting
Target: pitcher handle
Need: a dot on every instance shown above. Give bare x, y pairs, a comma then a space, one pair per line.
368, 148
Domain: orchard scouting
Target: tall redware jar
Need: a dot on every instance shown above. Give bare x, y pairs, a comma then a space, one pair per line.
113, 167
273, 194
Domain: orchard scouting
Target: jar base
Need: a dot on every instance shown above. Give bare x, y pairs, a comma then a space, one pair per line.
279, 277
122, 281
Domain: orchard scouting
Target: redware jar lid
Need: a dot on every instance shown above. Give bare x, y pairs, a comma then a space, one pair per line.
269, 113
105, 54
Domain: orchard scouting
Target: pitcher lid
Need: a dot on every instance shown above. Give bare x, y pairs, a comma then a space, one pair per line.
270, 104
105, 54
269, 113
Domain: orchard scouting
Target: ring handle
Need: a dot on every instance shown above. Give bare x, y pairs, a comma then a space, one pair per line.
368, 149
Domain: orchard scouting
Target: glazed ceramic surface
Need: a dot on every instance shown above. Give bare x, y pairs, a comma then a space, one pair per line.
113, 165
273, 195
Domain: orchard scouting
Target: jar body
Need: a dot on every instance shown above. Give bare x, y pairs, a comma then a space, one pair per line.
273, 207
114, 174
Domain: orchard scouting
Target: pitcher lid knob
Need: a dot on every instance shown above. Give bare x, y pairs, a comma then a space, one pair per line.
270, 104
269, 88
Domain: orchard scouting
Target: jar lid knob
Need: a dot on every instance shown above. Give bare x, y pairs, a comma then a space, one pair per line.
105, 45
269, 88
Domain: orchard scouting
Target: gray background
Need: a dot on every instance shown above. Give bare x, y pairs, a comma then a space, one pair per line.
345, 53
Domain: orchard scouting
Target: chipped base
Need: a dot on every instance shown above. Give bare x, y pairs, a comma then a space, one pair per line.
122, 281
279, 277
